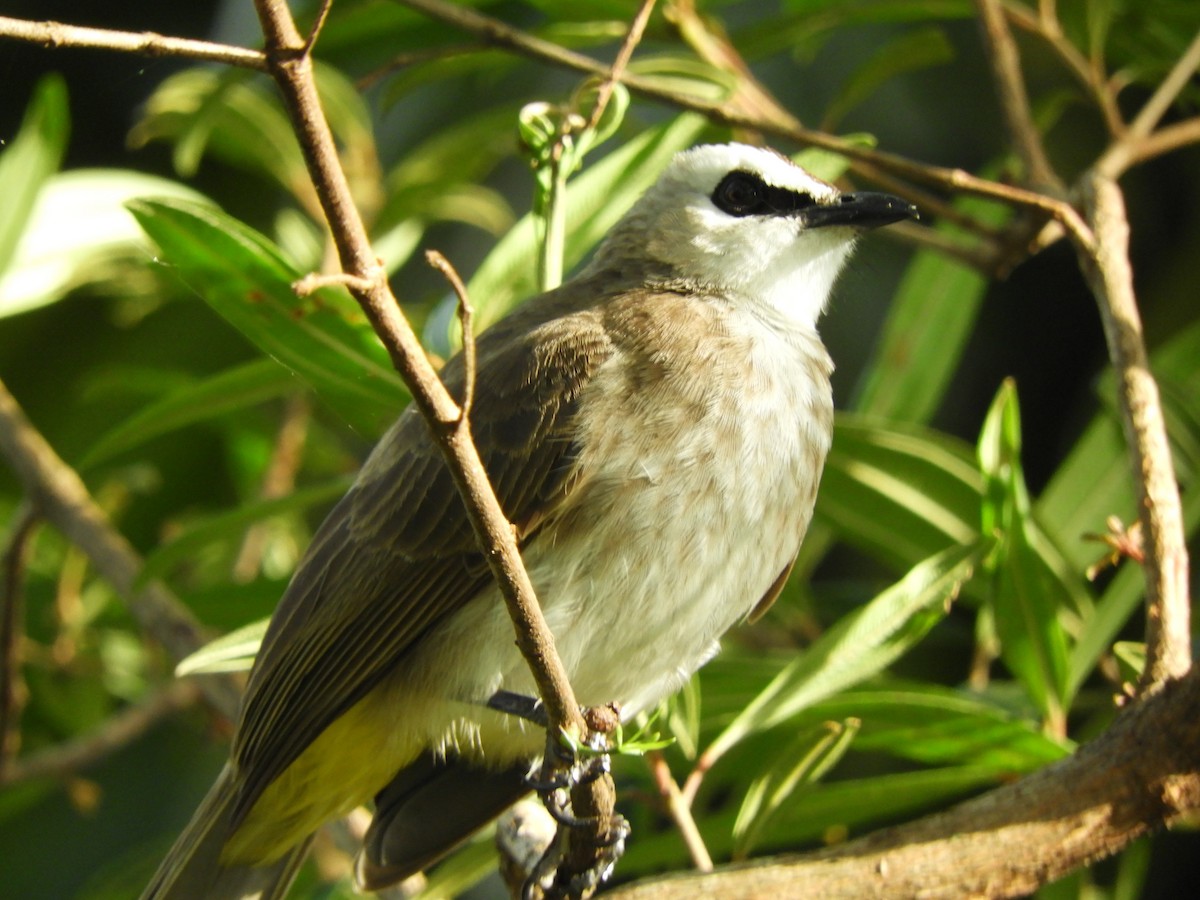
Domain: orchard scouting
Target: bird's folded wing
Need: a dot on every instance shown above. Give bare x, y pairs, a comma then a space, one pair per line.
397, 553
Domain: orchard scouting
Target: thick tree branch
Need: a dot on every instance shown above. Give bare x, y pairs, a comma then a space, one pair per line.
1143, 772
142, 43
1107, 269
59, 495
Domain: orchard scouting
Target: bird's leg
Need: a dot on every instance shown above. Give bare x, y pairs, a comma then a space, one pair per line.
522, 706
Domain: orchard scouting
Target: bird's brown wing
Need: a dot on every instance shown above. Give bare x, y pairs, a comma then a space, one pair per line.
397, 554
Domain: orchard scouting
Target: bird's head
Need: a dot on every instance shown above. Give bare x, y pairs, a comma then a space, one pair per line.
748, 223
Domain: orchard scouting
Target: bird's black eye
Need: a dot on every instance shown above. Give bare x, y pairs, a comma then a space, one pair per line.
741, 194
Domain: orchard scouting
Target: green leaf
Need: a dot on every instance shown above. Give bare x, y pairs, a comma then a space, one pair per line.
79, 232
858, 645
1026, 599
902, 493
235, 388
803, 761
230, 526
28, 160
934, 725
913, 50
323, 337
931, 317
233, 652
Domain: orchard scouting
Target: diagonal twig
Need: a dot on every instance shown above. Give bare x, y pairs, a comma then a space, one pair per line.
1014, 99
142, 43
632, 38
292, 71
59, 495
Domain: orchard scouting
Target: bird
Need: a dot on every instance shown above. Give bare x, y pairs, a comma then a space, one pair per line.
655, 430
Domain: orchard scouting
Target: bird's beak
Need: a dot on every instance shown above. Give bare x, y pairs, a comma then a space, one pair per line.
863, 209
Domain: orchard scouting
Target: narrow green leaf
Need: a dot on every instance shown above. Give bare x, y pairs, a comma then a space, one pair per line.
323, 337
26, 162
80, 232
803, 760
931, 317
1026, 599
235, 388
941, 726
858, 645
233, 652
913, 50
899, 492
230, 526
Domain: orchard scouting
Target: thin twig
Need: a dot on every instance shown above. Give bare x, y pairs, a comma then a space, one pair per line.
278, 480
632, 38
1121, 154
293, 74
1014, 99
1046, 27
466, 314
499, 33
318, 23
1106, 267
680, 811
142, 43
415, 57
12, 617
61, 497
1168, 138
120, 730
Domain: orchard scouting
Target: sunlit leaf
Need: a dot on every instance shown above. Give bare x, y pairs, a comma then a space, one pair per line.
323, 337
1026, 599
858, 645
25, 164
801, 761
900, 492
233, 652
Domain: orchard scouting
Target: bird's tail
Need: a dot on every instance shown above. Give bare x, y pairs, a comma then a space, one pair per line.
193, 870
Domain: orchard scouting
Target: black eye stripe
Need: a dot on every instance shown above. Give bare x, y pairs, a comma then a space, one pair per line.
746, 194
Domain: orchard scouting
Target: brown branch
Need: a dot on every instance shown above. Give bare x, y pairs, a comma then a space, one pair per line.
1168, 138
292, 70
497, 33
59, 495
278, 480
123, 728
680, 810
1140, 774
466, 317
143, 43
1014, 99
1123, 152
632, 38
12, 617
1046, 26
1107, 270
